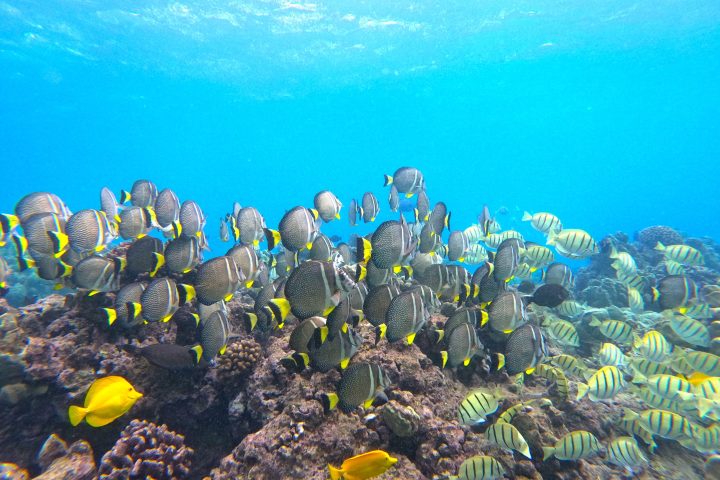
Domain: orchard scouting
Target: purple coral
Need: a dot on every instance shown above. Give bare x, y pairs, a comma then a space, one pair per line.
145, 450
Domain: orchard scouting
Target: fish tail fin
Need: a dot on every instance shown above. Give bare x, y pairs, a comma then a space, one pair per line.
273, 237
360, 273
335, 473
388, 180
76, 414
444, 356
125, 196
659, 247
437, 335
551, 237
198, 351
548, 452
329, 401
526, 216
176, 229
497, 361
417, 215
250, 320
279, 309
364, 249
111, 315
187, 293
158, 262
655, 294
594, 322
704, 405
21, 243
380, 332
582, 390
25, 263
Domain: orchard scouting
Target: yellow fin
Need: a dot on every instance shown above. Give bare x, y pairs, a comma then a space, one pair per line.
166, 318
249, 283
308, 245
411, 338
111, 315
368, 403
76, 414
198, 350
344, 363
466, 362
337, 216
330, 401
444, 356
223, 349
409, 195
228, 297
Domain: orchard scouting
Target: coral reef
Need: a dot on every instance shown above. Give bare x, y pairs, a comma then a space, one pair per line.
145, 450
650, 236
239, 358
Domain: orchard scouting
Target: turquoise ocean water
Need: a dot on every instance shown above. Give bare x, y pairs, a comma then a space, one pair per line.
602, 112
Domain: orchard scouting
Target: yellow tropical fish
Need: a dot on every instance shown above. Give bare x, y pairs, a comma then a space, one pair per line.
107, 399
366, 465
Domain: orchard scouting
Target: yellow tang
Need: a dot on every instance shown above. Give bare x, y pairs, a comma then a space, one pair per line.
365, 465
107, 399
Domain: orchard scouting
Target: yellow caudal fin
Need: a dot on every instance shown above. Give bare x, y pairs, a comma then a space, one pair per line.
526, 217
335, 473
273, 237
548, 452
364, 249
124, 196
444, 356
76, 414
158, 261
329, 401
582, 390
111, 315
660, 247
198, 351
388, 180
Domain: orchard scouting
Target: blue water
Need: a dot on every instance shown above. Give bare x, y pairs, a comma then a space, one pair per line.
602, 112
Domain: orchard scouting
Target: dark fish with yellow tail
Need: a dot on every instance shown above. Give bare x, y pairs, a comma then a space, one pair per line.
369, 207
480, 467
394, 199
192, 220
297, 230
126, 308
86, 231
507, 259
458, 245
485, 287
674, 291
173, 357
440, 218
182, 254
507, 312
142, 194
47, 268
524, 349
145, 255
247, 262
422, 208
135, 222
558, 274
391, 244
462, 345
353, 210
342, 316
574, 446
217, 279
214, 335
322, 248
109, 203
167, 212
465, 315
361, 384
44, 235
363, 466
377, 302
162, 298
224, 233
326, 354
327, 205
40, 202
358, 295
315, 288
303, 333
429, 240
8, 225
405, 316
98, 274
549, 295
4, 272
107, 399
250, 226
407, 180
